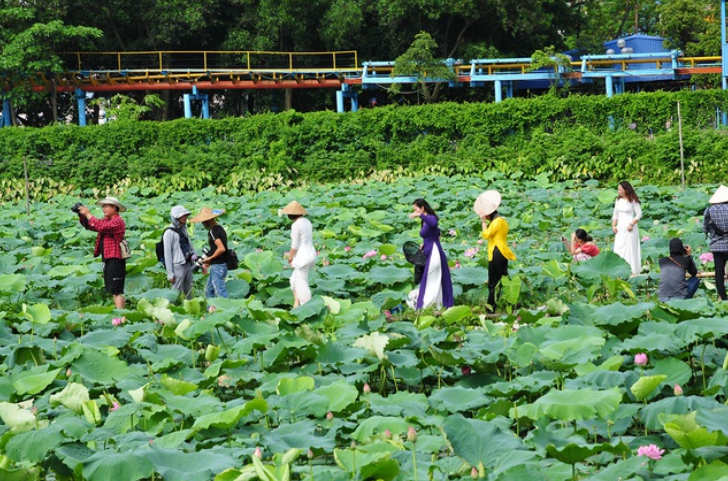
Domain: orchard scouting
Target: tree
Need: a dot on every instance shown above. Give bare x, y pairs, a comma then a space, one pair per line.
419, 61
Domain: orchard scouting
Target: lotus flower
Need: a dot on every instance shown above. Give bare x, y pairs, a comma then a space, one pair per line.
678, 390
641, 359
383, 257
347, 248
114, 406
258, 453
329, 416
366, 388
387, 434
651, 451
326, 262
471, 252
117, 321
369, 254
474, 473
411, 434
706, 257
645, 238
452, 232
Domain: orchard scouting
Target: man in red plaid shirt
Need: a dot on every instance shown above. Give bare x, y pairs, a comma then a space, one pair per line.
111, 230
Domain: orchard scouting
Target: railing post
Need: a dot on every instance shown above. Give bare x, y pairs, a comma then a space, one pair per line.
188, 106
7, 115
498, 90
81, 103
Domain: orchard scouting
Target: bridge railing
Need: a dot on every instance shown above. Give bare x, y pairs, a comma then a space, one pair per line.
206, 61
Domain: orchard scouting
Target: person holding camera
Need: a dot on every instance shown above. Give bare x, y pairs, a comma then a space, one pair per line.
110, 230
216, 257
673, 268
715, 224
179, 256
582, 245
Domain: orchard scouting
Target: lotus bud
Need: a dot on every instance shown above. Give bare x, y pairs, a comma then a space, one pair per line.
474, 473
387, 434
411, 434
366, 388
466, 370
640, 359
68, 372
309, 454
353, 445
329, 416
678, 390
258, 453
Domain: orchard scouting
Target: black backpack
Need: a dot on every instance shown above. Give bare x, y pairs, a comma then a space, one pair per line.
183, 242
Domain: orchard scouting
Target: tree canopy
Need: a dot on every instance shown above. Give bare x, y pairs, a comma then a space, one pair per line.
32, 30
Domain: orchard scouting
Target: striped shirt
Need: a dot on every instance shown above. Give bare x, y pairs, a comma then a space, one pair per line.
717, 215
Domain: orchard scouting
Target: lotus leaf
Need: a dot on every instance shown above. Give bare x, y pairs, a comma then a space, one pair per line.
99, 368
605, 264
389, 275
177, 386
480, 442
398, 404
229, 418
715, 471
689, 434
374, 343
106, 465
571, 405
646, 385
72, 397
340, 395
176, 465
700, 329
675, 405
35, 380
299, 435
378, 425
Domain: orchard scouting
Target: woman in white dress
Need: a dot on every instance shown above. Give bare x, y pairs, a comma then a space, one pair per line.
627, 213
302, 255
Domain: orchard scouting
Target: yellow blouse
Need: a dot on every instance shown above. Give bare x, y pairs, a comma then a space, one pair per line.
496, 234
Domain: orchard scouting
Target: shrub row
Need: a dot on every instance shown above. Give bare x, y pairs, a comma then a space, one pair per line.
627, 136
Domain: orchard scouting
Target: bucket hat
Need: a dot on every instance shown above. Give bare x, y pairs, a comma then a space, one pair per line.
111, 201
178, 211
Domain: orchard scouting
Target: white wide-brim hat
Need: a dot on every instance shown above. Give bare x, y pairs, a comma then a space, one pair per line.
720, 196
487, 203
111, 201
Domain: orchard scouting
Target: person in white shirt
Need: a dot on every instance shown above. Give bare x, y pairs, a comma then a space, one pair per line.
302, 255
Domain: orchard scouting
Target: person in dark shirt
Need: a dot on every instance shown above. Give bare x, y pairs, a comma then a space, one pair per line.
673, 284
216, 258
715, 224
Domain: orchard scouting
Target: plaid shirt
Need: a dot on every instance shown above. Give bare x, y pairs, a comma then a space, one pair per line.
717, 214
111, 230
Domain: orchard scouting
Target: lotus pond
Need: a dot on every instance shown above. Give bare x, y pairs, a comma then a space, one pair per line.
583, 375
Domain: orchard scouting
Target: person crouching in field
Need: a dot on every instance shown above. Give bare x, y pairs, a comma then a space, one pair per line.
673, 268
111, 230
582, 245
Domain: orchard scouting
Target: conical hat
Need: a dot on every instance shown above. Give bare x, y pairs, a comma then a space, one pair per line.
487, 203
720, 196
294, 208
206, 214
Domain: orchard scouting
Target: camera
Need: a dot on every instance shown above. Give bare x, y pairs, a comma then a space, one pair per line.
197, 261
77, 207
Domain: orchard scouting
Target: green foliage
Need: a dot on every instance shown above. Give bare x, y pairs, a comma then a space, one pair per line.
577, 138
421, 62
124, 108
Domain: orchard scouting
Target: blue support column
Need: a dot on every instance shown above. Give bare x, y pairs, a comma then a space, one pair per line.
498, 91
339, 102
81, 103
609, 86
509, 90
188, 105
354, 101
7, 120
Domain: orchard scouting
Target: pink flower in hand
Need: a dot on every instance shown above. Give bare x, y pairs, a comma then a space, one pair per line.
651, 451
640, 359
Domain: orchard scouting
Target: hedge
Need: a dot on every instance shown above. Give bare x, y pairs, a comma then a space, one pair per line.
578, 137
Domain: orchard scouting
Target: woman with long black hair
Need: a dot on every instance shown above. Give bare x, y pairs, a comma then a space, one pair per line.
436, 286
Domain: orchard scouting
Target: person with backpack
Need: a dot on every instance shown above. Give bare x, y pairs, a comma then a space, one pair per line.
217, 255
715, 224
673, 269
179, 256
111, 230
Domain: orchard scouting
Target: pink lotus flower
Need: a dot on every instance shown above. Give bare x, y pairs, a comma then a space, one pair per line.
452, 232
388, 314
329, 416
651, 451
466, 370
387, 434
326, 262
383, 257
640, 359
678, 390
258, 453
474, 473
117, 321
645, 238
480, 241
472, 252
114, 406
261, 250
369, 254
366, 388
457, 265
706, 257
211, 309
411, 434
347, 248
68, 372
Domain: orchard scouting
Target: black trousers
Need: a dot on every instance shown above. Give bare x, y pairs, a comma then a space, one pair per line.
720, 259
497, 268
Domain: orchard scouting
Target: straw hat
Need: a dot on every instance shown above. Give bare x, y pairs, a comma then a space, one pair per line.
294, 208
206, 214
111, 201
487, 203
720, 196
178, 211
